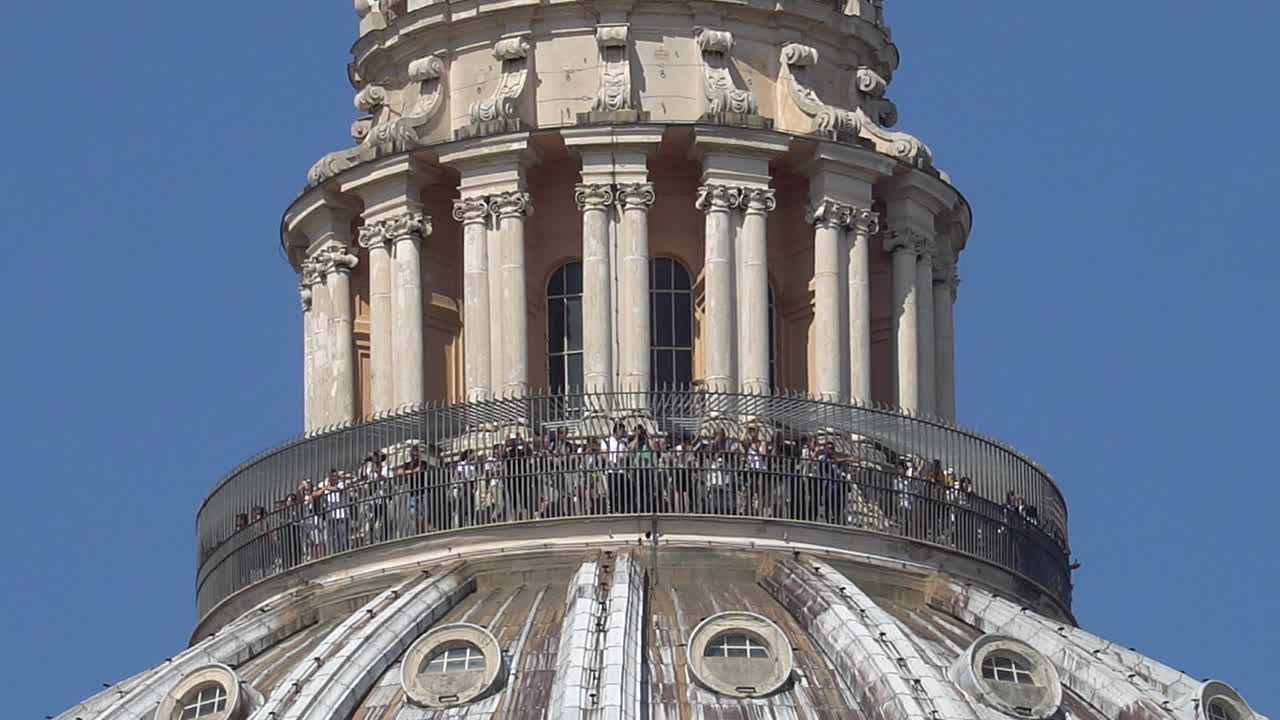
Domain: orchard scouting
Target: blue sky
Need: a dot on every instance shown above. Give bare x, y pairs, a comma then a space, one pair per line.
1117, 318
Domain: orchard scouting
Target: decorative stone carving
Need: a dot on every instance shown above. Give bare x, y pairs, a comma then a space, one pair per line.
829, 213
720, 198
944, 273
759, 200
864, 222
334, 258
429, 74
379, 8
904, 239
381, 133
511, 204
308, 276
635, 196
410, 224
471, 210
863, 121
503, 106
723, 94
615, 69
593, 197
869, 88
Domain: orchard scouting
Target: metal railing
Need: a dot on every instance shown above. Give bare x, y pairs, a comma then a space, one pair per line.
676, 452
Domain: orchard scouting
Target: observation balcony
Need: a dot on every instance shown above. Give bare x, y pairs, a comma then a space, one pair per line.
783, 469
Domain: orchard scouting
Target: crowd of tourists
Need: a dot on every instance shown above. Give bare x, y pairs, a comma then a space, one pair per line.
415, 488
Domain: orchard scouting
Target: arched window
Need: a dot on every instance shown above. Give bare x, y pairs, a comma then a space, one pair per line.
671, 328
564, 329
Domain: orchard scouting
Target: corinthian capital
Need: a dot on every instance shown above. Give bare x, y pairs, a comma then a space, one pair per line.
829, 213
718, 198
593, 196
410, 224
511, 204
334, 258
635, 196
470, 210
759, 200
904, 239
864, 222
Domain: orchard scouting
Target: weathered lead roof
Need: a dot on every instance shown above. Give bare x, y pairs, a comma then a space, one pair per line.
588, 634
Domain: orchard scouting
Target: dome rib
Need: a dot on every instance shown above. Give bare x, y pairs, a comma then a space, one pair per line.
866, 643
235, 644
339, 685
1093, 677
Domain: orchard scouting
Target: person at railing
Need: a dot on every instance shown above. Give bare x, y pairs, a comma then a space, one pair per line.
615, 450
337, 511
521, 500
642, 462
765, 472
464, 491
593, 484
751, 495
411, 476
375, 491
717, 458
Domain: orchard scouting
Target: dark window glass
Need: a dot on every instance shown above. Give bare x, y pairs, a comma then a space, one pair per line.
682, 317
671, 308
564, 328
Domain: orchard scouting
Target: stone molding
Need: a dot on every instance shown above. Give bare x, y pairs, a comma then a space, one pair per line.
593, 196
471, 210
614, 94
722, 93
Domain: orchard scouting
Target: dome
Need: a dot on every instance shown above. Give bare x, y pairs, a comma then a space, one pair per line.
604, 631
742, 495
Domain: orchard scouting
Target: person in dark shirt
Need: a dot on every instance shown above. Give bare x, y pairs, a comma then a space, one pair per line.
412, 476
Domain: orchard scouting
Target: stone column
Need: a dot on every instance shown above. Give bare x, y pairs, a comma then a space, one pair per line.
339, 390
719, 336
511, 209
308, 279
594, 201
635, 364
944, 289
497, 338
473, 214
862, 225
829, 219
381, 381
902, 245
321, 349
410, 231
924, 325
753, 301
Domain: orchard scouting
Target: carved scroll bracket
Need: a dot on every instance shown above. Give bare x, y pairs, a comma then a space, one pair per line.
864, 121
500, 112
722, 92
